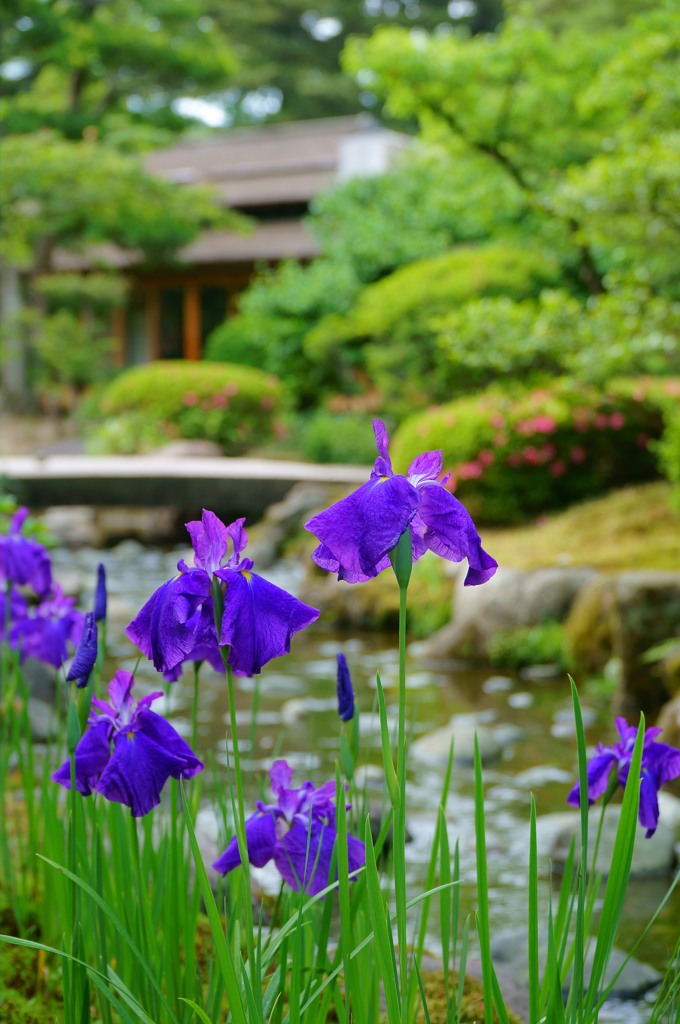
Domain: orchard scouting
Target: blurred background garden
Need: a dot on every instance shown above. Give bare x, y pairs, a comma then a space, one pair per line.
247, 229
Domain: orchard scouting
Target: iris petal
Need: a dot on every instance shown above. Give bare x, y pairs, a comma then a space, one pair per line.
137, 772
165, 628
452, 534
161, 732
259, 620
92, 756
303, 856
648, 813
361, 529
260, 841
599, 768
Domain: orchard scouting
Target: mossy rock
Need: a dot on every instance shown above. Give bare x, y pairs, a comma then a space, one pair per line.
589, 629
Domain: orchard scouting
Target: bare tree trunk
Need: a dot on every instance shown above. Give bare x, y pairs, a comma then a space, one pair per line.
13, 369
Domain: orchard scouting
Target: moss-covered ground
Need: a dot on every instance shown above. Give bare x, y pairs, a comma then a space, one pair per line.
632, 528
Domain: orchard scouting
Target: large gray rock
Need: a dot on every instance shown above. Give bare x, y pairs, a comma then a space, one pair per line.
512, 598
651, 857
433, 747
509, 949
621, 616
43, 719
284, 519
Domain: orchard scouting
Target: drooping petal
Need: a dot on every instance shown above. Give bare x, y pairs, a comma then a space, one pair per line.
648, 812
161, 732
663, 761
424, 467
361, 529
452, 534
173, 620
23, 560
209, 539
259, 620
260, 841
599, 768
137, 772
86, 653
356, 853
344, 690
92, 755
324, 559
303, 856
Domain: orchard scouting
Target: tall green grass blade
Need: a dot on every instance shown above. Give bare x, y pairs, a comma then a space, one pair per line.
617, 882
383, 934
222, 950
122, 932
482, 916
532, 947
200, 1013
577, 979
421, 988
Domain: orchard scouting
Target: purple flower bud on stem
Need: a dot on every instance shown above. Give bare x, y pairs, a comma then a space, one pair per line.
345, 691
100, 594
86, 654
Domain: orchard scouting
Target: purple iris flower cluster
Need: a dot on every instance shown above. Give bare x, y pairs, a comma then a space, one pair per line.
358, 533
128, 752
177, 623
660, 764
42, 630
297, 833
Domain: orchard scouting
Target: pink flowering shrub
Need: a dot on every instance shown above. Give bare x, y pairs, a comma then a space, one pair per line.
234, 406
514, 455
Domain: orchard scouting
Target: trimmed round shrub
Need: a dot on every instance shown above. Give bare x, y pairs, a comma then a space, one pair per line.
234, 406
513, 456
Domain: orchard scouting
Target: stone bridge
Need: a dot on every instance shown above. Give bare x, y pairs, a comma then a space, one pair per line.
231, 486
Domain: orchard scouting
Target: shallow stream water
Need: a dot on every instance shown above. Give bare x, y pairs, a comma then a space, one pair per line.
297, 720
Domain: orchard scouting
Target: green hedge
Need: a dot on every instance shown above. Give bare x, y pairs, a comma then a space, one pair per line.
391, 331
516, 455
234, 406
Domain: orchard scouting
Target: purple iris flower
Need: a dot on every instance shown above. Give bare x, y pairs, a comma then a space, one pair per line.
100, 594
128, 752
660, 764
13, 609
86, 653
297, 832
177, 623
22, 559
345, 691
358, 532
48, 628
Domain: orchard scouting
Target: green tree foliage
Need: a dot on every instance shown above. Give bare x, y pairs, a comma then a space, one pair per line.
389, 331
57, 194
289, 50
99, 65
561, 148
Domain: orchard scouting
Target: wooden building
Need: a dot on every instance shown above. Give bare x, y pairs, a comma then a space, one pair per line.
270, 173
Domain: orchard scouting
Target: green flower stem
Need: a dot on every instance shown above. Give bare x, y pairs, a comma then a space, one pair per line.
239, 824
401, 558
194, 705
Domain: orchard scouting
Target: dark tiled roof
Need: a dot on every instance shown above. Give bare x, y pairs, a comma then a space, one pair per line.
282, 163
